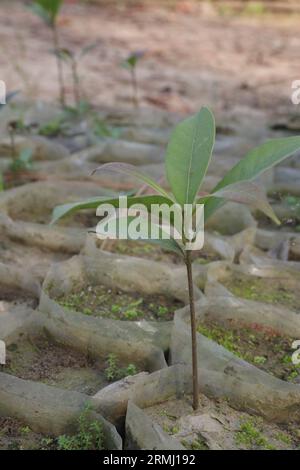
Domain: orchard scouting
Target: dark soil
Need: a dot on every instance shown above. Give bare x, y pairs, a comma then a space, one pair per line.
10, 295
42, 361
277, 291
259, 346
155, 253
14, 435
220, 426
103, 302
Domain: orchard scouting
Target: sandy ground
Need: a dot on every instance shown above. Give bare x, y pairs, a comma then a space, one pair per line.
193, 56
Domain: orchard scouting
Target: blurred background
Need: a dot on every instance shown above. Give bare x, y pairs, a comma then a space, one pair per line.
222, 53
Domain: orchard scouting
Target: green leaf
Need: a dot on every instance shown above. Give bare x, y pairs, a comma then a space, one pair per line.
92, 203
249, 193
131, 170
188, 155
47, 9
253, 164
169, 244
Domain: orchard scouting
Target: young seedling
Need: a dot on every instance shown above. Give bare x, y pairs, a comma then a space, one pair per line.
130, 64
20, 160
73, 59
48, 11
187, 159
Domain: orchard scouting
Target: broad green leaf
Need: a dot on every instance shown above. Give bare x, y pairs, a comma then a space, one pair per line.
188, 155
249, 193
169, 244
47, 9
253, 164
92, 203
131, 170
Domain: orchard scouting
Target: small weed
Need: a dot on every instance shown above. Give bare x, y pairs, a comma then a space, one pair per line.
168, 415
250, 436
51, 128
198, 444
25, 430
89, 435
114, 372
47, 442
170, 429
162, 311
293, 375
221, 336
283, 437
101, 129
259, 359
22, 162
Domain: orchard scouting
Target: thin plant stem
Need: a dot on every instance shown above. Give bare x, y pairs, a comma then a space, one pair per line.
76, 82
12, 143
193, 330
59, 67
135, 96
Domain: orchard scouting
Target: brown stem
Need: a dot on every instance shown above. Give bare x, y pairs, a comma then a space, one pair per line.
193, 330
59, 67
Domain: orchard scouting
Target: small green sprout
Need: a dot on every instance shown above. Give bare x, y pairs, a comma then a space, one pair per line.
48, 11
113, 372
73, 59
130, 64
89, 434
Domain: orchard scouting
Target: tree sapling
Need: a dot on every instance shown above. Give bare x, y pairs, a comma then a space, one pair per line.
130, 64
188, 155
48, 11
74, 59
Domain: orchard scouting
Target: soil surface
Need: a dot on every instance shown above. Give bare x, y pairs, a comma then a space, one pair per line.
218, 426
269, 290
191, 54
43, 361
263, 348
102, 302
14, 435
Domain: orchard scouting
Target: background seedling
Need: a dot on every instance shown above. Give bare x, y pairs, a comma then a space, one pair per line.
89, 435
114, 372
187, 159
23, 160
130, 64
73, 59
48, 11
